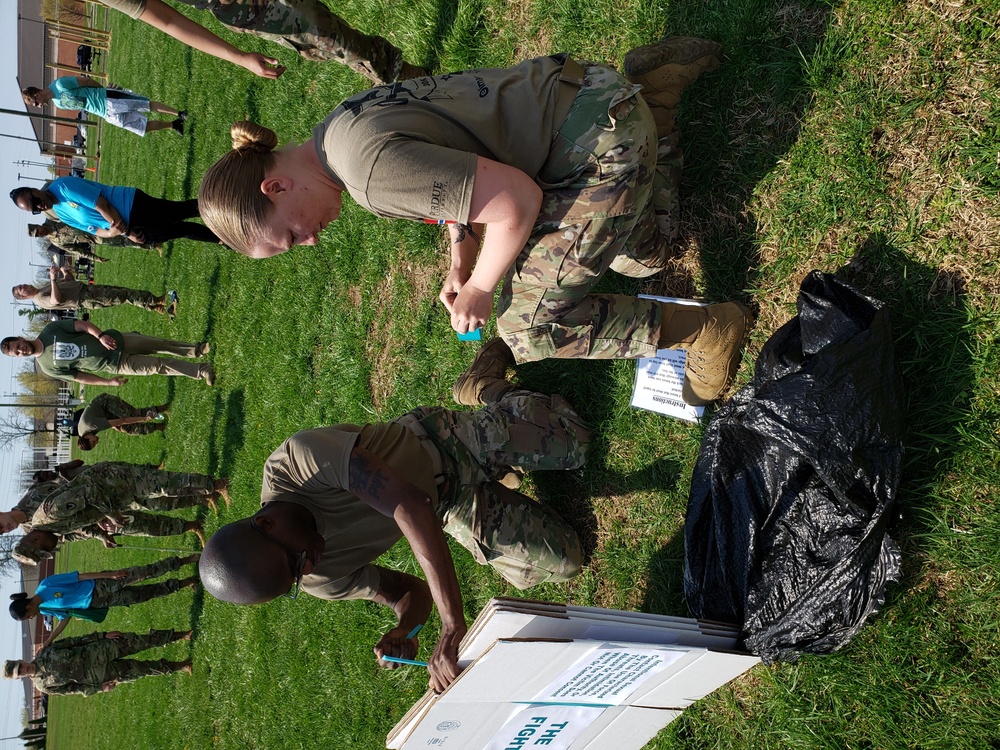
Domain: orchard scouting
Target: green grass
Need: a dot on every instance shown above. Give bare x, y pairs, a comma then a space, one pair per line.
857, 137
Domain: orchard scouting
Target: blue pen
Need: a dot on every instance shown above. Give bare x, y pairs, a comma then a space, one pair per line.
413, 633
400, 660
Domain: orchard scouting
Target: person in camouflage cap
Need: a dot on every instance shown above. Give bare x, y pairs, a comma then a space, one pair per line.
335, 498
113, 496
79, 244
96, 663
64, 292
44, 484
109, 412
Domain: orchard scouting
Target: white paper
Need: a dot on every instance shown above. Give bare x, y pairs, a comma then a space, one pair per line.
659, 379
608, 675
547, 727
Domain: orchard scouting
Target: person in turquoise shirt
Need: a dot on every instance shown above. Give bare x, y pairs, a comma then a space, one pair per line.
123, 108
87, 596
114, 210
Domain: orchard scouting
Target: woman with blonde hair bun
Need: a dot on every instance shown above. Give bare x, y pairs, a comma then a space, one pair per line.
563, 163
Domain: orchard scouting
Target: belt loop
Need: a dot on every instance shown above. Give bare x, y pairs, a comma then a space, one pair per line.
572, 72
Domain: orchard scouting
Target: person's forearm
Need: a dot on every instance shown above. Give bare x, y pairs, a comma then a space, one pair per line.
109, 212
54, 294
388, 492
422, 529
161, 16
127, 420
85, 326
56, 632
87, 379
465, 241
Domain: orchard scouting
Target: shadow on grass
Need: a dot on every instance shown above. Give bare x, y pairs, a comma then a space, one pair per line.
929, 318
213, 289
442, 24
736, 124
227, 442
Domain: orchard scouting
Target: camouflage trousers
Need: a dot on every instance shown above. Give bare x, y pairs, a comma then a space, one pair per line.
309, 28
104, 660
523, 541
155, 489
609, 200
136, 359
96, 296
138, 523
118, 408
120, 593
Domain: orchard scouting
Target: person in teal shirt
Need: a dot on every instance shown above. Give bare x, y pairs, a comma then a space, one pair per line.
120, 107
114, 210
88, 596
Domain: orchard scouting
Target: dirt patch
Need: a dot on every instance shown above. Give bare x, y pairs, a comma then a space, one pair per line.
407, 283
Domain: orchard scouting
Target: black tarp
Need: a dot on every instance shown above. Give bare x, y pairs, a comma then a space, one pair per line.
795, 486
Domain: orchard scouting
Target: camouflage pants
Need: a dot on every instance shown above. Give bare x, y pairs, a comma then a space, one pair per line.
120, 593
309, 28
609, 200
127, 670
96, 296
523, 541
138, 523
155, 489
118, 408
135, 358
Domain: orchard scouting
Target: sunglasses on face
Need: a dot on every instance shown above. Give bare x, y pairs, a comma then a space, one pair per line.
298, 555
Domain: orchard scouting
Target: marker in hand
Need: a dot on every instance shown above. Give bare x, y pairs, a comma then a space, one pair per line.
411, 634
476, 335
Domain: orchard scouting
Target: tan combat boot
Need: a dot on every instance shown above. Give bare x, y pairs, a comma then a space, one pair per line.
666, 68
484, 382
713, 337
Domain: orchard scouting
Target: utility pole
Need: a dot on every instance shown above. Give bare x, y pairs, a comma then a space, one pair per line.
51, 118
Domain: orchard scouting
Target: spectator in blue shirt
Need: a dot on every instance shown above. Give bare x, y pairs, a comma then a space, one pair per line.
120, 107
110, 211
87, 596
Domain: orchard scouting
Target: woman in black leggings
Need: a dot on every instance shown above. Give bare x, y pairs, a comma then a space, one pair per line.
110, 210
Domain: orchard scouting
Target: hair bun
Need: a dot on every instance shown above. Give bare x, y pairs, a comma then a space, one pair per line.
249, 136
22, 595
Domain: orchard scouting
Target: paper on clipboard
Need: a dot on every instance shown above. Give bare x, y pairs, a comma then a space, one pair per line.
659, 379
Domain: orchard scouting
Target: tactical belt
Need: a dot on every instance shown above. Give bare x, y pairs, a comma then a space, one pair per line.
411, 423
571, 79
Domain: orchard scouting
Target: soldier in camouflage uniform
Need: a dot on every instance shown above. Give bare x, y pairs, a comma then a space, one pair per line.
109, 412
305, 26
336, 498
111, 494
95, 663
74, 295
79, 244
44, 484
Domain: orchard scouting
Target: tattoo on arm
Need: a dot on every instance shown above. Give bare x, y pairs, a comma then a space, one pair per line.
365, 477
461, 230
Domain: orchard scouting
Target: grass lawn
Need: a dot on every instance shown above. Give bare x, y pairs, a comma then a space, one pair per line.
858, 137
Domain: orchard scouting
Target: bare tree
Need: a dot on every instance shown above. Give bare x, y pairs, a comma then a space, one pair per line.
8, 565
16, 426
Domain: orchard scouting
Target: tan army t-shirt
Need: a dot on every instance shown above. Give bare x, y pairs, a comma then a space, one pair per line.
311, 468
408, 150
69, 290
